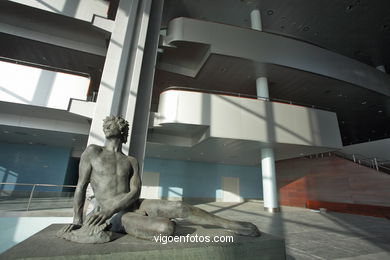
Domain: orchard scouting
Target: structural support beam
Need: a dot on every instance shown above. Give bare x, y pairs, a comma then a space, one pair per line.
118, 59
127, 80
120, 81
144, 97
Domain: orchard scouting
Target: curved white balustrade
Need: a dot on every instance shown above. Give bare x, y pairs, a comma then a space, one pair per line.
269, 123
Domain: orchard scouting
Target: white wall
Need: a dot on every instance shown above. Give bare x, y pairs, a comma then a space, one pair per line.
250, 119
33, 86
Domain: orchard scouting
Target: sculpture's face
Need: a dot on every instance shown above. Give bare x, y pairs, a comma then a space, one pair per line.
113, 130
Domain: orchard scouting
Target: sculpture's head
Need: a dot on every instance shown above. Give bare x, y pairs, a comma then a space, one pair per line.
116, 126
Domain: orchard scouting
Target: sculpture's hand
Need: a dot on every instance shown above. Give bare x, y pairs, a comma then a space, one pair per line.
99, 218
70, 227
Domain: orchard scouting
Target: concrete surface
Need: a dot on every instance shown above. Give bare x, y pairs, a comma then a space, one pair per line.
46, 245
308, 234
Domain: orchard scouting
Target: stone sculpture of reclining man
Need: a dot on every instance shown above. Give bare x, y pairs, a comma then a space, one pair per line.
116, 183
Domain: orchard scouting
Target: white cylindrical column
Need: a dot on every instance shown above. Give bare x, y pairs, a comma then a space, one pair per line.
270, 193
262, 87
256, 20
381, 68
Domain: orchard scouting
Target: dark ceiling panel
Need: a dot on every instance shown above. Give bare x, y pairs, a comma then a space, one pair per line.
357, 29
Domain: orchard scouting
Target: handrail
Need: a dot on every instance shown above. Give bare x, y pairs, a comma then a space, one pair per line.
362, 157
373, 162
369, 162
38, 184
33, 188
237, 94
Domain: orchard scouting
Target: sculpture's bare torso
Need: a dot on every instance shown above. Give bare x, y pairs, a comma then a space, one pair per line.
110, 176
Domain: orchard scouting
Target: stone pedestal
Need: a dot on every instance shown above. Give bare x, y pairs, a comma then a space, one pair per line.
45, 245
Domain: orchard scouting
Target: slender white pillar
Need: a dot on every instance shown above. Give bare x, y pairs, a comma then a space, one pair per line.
256, 20
262, 87
381, 68
270, 194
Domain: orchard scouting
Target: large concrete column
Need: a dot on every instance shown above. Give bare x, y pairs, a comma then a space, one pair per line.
118, 69
144, 98
270, 192
127, 79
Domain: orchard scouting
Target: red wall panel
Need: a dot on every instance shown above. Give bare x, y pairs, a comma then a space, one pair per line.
330, 179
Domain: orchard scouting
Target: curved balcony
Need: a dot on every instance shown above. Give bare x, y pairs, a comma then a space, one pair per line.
208, 55
238, 127
205, 38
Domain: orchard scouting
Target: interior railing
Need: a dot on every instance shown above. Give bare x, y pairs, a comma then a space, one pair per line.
373, 162
378, 164
46, 195
236, 94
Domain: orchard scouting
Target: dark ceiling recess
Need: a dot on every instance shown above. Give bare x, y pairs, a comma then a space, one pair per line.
340, 26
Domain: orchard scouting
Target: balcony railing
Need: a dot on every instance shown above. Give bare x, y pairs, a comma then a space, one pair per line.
22, 196
236, 94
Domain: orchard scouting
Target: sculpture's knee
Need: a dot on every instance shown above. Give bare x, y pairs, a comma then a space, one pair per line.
182, 208
166, 228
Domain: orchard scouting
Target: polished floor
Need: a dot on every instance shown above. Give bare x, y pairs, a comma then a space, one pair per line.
314, 235
308, 234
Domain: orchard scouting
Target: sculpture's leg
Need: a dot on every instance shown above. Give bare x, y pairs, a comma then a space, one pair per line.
178, 209
146, 227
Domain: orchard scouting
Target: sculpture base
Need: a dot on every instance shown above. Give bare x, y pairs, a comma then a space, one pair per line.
45, 244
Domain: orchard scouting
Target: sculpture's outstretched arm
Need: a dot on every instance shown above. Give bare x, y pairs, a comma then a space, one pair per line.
85, 169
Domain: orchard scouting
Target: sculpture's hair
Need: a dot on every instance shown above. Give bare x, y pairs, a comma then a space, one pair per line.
120, 122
